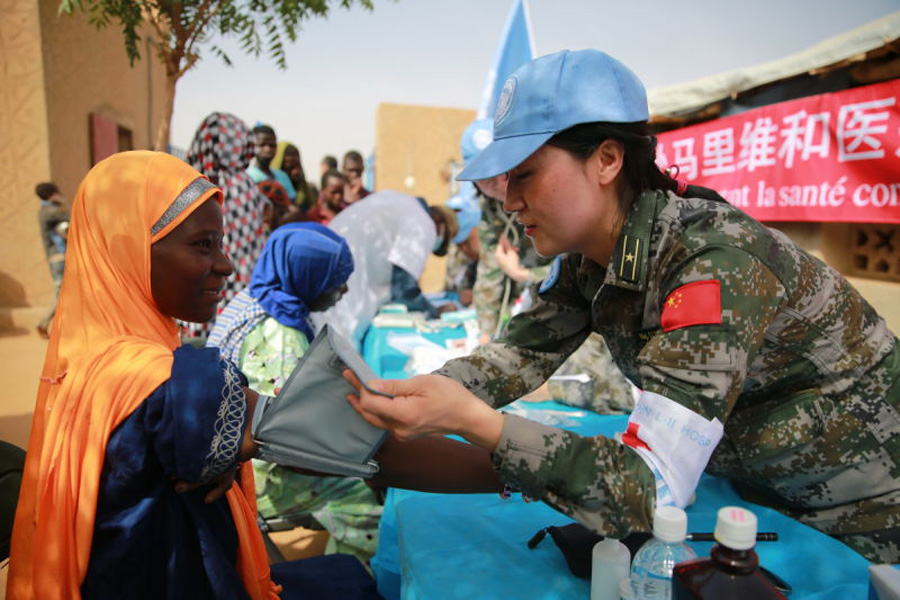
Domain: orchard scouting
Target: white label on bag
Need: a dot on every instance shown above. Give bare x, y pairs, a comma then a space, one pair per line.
675, 442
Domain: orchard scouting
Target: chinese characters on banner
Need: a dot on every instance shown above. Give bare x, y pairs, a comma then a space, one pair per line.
832, 157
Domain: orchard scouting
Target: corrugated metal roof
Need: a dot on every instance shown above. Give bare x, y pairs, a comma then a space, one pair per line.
692, 96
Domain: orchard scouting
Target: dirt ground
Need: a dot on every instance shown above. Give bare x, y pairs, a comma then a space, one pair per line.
21, 358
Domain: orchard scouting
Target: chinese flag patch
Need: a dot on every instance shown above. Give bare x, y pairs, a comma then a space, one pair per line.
697, 303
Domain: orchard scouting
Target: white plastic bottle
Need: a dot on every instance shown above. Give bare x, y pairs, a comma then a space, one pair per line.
609, 564
651, 570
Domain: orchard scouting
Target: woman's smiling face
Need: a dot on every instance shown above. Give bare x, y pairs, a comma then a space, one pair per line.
188, 268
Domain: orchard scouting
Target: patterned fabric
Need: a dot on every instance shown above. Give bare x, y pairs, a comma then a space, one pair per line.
189, 428
229, 425
275, 192
494, 292
610, 392
222, 150
269, 353
461, 271
345, 506
802, 371
233, 324
300, 262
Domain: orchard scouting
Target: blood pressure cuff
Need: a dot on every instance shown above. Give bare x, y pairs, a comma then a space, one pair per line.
310, 424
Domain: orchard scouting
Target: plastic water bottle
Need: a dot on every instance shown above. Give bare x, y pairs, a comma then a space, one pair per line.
651, 570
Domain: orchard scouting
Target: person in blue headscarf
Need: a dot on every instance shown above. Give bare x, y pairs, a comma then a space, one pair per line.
265, 330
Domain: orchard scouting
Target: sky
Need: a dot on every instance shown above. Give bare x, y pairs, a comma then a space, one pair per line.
438, 53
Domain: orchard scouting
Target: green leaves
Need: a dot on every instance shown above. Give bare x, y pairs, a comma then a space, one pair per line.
184, 25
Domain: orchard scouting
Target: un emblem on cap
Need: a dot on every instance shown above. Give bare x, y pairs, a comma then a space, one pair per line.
506, 98
482, 138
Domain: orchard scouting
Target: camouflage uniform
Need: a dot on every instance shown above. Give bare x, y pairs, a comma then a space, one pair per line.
490, 281
461, 271
802, 372
610, 392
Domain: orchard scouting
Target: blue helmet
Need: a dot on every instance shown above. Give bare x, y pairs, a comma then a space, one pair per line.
476, 138
468, 214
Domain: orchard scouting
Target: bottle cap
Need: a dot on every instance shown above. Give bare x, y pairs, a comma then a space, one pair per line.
735, 528
670, 524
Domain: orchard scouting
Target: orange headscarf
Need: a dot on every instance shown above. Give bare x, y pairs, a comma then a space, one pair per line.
110, 348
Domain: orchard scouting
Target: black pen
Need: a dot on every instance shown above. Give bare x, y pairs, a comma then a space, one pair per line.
762, 536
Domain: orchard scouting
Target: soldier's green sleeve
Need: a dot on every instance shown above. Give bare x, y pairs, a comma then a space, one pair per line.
597, 481
533, 346
704, 367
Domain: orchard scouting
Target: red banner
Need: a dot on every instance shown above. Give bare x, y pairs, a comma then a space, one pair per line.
832, 157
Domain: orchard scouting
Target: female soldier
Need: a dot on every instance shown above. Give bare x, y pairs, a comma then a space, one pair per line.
757, 361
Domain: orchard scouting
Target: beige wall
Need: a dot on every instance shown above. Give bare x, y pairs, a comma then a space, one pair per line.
56, 71
87, 71
419, 142
24, 159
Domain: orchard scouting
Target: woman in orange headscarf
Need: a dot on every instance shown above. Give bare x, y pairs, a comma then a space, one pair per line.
135, 440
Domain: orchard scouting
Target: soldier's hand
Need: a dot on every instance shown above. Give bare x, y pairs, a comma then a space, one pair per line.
426, 405
508, 260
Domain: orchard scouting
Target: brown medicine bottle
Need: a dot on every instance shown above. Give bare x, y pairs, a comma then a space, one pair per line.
731, 571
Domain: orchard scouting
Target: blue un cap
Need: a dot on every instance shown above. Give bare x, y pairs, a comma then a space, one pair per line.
551, 94
468, 214
477, 136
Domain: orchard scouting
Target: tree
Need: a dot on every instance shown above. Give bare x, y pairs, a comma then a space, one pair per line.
182, 27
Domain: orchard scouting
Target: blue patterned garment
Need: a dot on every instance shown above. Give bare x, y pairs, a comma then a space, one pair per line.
234, 324
149, 541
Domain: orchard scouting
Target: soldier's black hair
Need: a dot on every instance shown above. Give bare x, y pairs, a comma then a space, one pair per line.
330, 161
639, 169
45, 190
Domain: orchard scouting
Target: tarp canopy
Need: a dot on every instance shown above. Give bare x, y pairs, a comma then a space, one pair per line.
682, 100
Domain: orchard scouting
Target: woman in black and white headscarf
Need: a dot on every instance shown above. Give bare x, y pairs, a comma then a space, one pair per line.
222, 150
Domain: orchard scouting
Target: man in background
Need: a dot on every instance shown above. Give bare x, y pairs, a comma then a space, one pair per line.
352, 167
331, 198
53, 219
329, 163
260, 168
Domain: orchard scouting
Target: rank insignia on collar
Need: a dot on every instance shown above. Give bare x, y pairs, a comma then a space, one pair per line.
629, 267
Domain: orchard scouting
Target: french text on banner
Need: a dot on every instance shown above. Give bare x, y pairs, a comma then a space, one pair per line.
831, 157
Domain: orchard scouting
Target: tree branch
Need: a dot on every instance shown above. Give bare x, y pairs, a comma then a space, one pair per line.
197, 28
